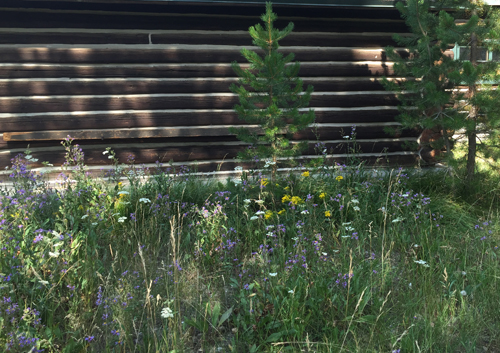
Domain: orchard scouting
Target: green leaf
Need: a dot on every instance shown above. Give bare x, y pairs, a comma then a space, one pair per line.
225, 316
274, 337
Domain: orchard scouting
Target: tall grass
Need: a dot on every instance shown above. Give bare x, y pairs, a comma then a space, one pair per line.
333, 258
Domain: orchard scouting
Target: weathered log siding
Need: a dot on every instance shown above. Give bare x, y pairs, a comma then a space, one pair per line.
152, 80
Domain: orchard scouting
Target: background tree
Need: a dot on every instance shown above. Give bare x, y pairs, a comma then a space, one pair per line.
442, 93
270, 95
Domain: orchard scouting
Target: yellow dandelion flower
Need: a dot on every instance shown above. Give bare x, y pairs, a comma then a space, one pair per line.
322, 195
287, 188
305, 174
296, 200
286, 198
281, 212
339, 178
328, 214
120, 184
268, 214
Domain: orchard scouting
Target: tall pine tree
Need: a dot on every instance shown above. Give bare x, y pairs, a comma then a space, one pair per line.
440, 92
271, 95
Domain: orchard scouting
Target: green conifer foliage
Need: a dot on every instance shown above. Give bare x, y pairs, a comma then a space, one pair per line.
270, 95
440, 92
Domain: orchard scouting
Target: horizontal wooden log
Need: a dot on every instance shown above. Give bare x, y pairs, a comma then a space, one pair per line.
241, 38
120, 86
195, 21
199, 152
234, 8
29, 104
177, 53
307, 69
324, 131
170, 117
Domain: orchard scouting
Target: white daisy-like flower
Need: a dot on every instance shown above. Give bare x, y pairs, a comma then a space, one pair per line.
53, 254
167, 313
273, 274
305, 212
145, 200
421, 262
122, 219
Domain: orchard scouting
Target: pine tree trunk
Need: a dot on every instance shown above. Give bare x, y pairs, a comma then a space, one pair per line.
471, 133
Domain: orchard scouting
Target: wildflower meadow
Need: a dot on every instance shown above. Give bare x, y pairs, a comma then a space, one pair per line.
325, 257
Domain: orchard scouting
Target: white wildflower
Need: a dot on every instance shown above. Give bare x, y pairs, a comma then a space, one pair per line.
259, 213
238, 169
355, 201
324, 253
346, 223
29, 156
56, 245
409, 285
253, 218
237, 181
463, 293
421, 262
110, 157
345, 137
105, 152
122, 219
464, 273
167, 313
356, 208
43, 282
247, 201
53, 254
336, 251
145, 200
259, 202
273, 274
396, 220
85, 216
270, 234
305, 212
349, 229
94, 224
291, 291
123, 192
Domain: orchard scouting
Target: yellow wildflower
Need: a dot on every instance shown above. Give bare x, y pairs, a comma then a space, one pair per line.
339, 178
120, 184
286, 198
328, 214
322, 195
296, 200
287, 188
264, 182
305, 174
281, 212
268, 214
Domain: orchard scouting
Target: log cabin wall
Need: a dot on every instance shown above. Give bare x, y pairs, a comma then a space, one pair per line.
151, 80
